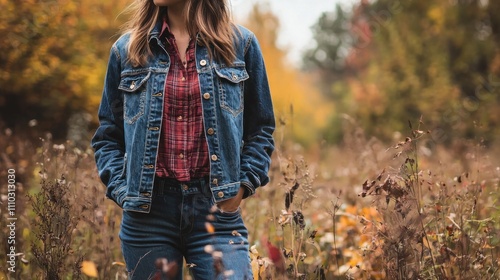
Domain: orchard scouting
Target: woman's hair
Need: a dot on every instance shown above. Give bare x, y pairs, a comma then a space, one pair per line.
210, 18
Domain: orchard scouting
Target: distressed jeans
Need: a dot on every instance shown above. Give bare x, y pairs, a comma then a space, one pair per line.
184, 223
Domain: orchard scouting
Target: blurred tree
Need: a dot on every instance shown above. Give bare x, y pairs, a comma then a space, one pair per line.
52, 57
439, 59
296, 99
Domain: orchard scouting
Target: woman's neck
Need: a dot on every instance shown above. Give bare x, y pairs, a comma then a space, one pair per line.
176, 18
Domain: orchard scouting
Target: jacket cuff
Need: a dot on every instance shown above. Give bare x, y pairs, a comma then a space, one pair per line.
249, 188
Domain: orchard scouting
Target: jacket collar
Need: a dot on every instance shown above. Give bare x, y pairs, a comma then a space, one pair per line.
156, 31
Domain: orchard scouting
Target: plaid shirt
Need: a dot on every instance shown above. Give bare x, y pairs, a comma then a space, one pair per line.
183, 150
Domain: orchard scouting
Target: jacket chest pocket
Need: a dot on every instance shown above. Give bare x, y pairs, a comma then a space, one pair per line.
134, 87
231, 88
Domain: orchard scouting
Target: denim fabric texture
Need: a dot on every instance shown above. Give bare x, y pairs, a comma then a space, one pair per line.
237, 110
177, 226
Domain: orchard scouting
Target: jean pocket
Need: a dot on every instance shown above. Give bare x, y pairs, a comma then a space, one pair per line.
227, 216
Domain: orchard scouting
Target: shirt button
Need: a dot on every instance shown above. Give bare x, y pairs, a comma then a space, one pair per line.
203, 62
179, 118
206, 95
183, 79
210, 131
214, 157
181, 155
220, 194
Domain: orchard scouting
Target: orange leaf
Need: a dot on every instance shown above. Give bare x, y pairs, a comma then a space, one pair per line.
89, 269
210, 228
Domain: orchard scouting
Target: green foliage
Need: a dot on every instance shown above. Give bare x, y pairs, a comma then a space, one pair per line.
412, 58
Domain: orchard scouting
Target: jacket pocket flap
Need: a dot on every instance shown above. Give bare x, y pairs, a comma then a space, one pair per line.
232, 74
131, 83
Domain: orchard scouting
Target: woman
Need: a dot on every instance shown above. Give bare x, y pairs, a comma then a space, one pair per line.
186, 124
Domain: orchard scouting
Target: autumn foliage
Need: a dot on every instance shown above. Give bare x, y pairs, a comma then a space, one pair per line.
386, 162
53, 57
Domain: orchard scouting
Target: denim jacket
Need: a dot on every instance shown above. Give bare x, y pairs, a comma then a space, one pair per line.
237, 113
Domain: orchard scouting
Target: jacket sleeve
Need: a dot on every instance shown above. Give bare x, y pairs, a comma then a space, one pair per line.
258, 121
108, 141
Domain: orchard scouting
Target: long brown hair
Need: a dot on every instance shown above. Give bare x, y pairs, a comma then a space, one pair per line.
210, 19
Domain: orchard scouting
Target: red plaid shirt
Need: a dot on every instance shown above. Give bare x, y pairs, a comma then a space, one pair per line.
183, 150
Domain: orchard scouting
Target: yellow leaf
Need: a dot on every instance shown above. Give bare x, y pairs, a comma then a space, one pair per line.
118, 263
26, 234
255, 268
309, 260
89, 269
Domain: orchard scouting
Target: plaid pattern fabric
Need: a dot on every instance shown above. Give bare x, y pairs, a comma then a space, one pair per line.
183, 150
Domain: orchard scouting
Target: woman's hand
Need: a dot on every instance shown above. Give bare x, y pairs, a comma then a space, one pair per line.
232, 204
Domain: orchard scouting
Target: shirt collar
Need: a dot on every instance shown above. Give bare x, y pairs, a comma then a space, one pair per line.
165, 28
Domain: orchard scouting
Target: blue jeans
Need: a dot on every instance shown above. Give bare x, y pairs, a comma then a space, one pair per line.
184, 222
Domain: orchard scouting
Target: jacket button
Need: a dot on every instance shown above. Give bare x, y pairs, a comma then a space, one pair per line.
185, 187
220, 194
215, 181
206, 95
132, 86
158, 94
144, 206
235, 77
154, 128
214, 157
146, 194
210, 131
203, 62
150, 166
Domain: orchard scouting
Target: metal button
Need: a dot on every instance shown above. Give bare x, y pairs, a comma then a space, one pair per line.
158, 94
206, 95
185, 187
235, 77
181, 155
210, 131
146, 194
154, 128
144, 206
203, 62
220, 194
215, 181
132, 85
150, 166
214, 157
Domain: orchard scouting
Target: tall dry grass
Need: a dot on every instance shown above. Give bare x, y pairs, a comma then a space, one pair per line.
426, 211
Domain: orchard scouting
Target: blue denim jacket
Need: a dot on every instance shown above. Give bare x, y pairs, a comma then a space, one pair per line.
236, 104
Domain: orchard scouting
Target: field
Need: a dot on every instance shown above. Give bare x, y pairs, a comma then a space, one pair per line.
416, 209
